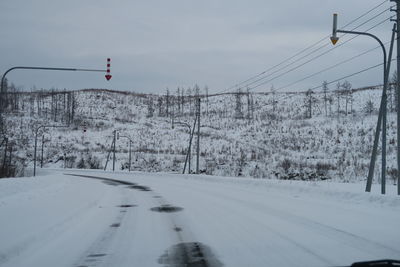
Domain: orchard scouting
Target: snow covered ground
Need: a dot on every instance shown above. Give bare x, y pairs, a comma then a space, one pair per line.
62, 220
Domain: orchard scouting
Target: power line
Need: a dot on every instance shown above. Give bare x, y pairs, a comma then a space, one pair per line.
331, 67
309, 47
324, 53
351, 75
277, 65
363, 15
316, 57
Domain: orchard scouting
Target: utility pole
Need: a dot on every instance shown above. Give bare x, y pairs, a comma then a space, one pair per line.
398, 93
41, 159
397, 10
383, 181
115, 133
172, 112
198, 137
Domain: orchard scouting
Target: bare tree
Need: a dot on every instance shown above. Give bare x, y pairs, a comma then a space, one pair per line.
182, 101
249, 105
309, 101
74, 106
189, 97
369, 107
196, 91
346, 86
178, 100
167, 101
160, 106
150, 107
207, 99
274, 102
338, 94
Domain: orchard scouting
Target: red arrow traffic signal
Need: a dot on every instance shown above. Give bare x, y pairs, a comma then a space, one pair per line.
108, 75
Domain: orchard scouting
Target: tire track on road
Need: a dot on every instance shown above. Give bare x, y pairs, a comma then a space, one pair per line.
357, 242
184, 253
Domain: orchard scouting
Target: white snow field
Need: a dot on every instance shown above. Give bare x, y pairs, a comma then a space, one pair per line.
63, 220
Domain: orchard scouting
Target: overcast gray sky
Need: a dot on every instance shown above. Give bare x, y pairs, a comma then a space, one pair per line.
155, 44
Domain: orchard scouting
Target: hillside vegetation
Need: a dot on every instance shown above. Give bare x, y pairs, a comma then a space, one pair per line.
302, 136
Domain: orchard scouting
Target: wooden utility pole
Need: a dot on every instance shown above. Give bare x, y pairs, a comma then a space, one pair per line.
198, 136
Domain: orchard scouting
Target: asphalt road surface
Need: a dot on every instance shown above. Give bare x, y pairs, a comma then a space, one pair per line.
82, 218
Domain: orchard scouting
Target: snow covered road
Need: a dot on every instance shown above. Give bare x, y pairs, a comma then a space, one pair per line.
141, 219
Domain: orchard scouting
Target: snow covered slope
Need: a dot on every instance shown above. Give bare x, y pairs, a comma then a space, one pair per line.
256, 135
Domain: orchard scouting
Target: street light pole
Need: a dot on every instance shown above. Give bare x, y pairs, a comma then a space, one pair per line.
188, 153
36, 134
130, 148
382, 109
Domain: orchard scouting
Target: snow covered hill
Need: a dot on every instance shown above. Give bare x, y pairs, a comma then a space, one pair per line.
276, 135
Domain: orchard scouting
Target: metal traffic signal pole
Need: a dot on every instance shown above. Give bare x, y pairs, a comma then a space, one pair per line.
37, 68
2, 89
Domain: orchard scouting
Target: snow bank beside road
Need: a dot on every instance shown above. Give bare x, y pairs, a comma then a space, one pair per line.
342, 192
